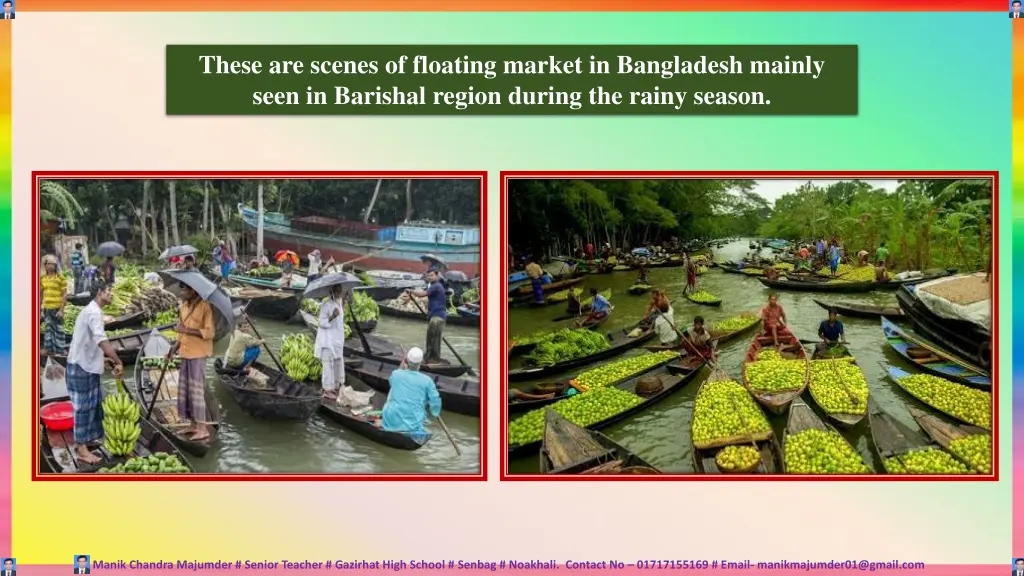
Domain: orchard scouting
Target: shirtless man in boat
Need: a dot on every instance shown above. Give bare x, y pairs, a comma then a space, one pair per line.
774, 318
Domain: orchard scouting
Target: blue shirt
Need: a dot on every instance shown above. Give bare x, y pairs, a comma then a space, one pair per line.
412, 393
821, 248
833, 253
437, 301
830, 333
601, 304
77, 261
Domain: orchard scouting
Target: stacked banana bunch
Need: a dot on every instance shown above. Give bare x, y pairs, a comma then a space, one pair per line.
120, 424
298, 359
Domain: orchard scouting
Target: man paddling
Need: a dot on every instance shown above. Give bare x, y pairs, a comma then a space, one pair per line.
411, 396
89, 346
599, 308
774, 318
831, 332
697, 339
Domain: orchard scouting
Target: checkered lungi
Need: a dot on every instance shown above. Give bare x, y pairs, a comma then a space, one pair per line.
87, 399
53, 332
192, 389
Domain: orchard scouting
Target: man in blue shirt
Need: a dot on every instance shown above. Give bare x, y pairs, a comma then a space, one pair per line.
830, 331
77, 267
411, 395
437, 313
599, 309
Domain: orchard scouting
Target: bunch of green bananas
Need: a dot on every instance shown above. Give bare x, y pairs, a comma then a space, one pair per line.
298, 359
158, 462
120, 424
163, 318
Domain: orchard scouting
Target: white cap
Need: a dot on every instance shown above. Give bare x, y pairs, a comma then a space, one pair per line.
415, 355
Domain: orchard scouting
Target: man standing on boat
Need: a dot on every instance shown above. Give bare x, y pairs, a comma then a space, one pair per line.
314, 265
329, 347
53, 296
89, 345
78, 267
536, 274
437, 313
195, 344
411, 396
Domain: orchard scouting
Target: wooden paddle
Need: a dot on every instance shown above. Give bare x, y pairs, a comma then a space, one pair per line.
163, 369
364, 257
451, 348
265, 345
943, 355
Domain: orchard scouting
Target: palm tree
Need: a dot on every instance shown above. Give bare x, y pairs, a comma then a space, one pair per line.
55, 202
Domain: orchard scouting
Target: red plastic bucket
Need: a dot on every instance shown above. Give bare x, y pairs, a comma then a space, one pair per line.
58, 417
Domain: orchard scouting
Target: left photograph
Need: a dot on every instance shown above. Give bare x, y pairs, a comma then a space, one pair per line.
274, 325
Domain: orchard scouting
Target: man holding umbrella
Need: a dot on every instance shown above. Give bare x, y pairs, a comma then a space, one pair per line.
196, 330
329, 347
108, 250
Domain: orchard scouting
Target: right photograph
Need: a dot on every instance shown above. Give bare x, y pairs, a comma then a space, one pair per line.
746, 325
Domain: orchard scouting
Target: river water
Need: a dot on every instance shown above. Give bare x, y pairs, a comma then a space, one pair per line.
661, 434
248, 445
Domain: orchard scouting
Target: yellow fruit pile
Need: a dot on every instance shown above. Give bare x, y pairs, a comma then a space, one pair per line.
822, 452
861, 274
783, 267
771, 373
581, 409
975, 450
703, 296
925, 461
737, 458
724, 409
967, 404
841, 270
621, 370
753, 271
735, 323
839, 387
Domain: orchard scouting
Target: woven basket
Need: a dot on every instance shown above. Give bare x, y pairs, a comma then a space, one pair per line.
649, 386
746, 470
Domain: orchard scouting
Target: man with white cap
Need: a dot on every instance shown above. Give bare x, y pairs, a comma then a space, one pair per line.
412, 394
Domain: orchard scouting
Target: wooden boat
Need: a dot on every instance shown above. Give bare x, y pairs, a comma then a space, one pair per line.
767, 445
639, 288
459, 395
552, 287
671, 383
164, 414
270, 304
731, 268
895, 374
57, 453
964, 339
718, 337
944, 432
714, 303
570, 449
834, 287
593, 324
892, 438
862, 310
560, 389
791, 348
285, 400
126, 346
453, 320
383, 351
802, 417
357, 420
934, 360
298, 283
123, 321
379, 293
618, 343
840, 420
897, 284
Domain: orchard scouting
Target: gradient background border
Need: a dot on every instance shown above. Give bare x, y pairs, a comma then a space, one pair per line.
1016, 180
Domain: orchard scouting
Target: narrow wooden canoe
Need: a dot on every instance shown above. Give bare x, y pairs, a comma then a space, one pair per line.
126, 346
671, 383
285, 400
552, 287
272, 305
944, 432
897, 284
593, 324
718, 337
358, 422
298, 283
895, 374
777, 402
570, 449
715, 303
964, 339
934, 360
892, 438
454, 320
459, 395
834, 287
143, 391
767, 445
802, 417
862, 310
840, 420
58, 456
618, 343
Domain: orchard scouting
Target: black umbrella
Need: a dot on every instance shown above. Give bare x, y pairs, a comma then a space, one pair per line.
219, 300
175, 251
433, 258
322, 286
109, 250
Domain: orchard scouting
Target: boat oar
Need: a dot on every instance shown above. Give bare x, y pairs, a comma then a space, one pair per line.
265, 345
163, 369
385, 248
472, 372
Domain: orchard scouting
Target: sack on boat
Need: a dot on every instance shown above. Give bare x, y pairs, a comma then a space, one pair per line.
909, 275
352, 398
53, 384
635, 333
259, 380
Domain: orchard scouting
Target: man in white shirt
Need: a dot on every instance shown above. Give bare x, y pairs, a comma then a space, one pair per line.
89, 345
329, 347
314, 265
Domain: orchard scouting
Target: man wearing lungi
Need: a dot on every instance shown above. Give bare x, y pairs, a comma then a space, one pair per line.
53, 296
89, 345
195, 345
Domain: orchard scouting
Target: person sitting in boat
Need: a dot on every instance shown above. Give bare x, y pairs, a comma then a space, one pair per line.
665, 322
830, 331
771, 273
411, 396
881, 274
774, 318
697, 340
644, 276
535, 273
286, 273
599, 309
243, 350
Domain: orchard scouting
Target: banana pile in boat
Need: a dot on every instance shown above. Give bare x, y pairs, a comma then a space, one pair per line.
297, 357
407, 305
120, 424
